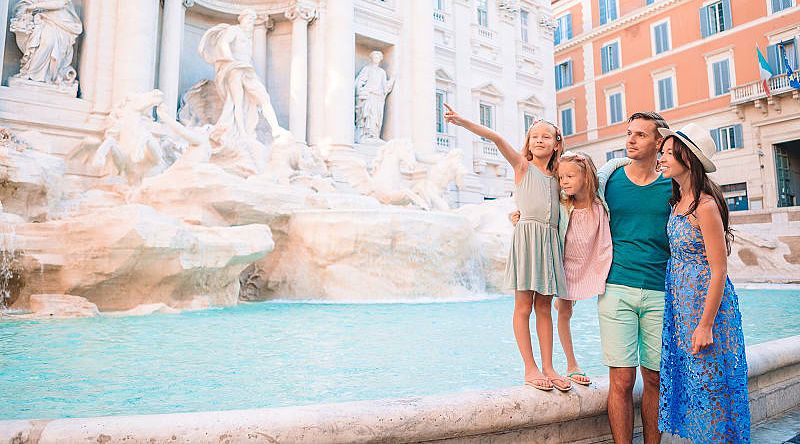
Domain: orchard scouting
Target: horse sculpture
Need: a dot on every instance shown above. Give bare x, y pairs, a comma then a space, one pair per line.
448, 168
385, 183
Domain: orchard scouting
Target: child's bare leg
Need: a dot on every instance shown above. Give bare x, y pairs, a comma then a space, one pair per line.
565, 336
523, 303
544, 329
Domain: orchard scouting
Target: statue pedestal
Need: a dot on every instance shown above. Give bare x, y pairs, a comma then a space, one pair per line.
70, 91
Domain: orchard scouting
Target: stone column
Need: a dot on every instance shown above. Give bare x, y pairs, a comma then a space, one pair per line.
301, 14
101, 81
339, 101
423, 83
87, 69
170, 57
135, 53
263, 26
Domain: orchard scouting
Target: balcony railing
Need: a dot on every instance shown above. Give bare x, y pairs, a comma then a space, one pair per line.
526, 50
439, 16
755, 90
444, 142
487, 152
484, 33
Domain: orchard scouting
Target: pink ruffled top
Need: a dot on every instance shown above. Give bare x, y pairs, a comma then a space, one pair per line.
587, 252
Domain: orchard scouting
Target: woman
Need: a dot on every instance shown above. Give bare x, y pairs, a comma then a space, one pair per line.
703, 368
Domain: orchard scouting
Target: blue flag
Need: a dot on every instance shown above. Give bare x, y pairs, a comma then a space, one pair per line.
794, 76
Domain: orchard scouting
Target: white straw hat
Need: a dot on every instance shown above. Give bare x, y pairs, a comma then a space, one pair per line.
699, 141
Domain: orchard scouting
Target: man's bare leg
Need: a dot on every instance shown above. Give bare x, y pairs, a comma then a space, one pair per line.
650, 402
620, 402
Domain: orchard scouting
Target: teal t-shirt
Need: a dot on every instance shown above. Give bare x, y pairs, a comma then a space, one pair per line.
639, 217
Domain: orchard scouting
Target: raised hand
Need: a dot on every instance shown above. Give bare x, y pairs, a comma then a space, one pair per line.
450, 116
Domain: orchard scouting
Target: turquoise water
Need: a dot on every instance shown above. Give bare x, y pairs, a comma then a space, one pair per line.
281, 354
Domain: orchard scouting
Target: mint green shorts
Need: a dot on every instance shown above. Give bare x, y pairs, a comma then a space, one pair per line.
631, 320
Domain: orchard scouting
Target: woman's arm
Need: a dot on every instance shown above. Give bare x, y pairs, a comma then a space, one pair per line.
710, 222
512, 156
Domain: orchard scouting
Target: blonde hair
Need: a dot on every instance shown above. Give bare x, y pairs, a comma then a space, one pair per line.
586, 165
552, 163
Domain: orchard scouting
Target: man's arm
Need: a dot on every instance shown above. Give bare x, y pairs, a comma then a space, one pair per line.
605, 171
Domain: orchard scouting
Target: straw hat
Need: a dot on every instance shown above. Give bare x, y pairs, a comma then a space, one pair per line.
699, 140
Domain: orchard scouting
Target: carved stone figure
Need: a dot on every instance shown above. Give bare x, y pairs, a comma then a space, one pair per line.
386, 182
372, 87
132, 140
230, 49
431, 189
46, 31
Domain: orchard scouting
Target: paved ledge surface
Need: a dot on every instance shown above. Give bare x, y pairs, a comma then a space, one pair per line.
517, 414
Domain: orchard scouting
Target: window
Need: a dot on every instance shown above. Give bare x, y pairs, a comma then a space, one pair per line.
608, 11
609, 55
564, 74
615, 111
527, 121
662, 41
564, 29
777, 52
728, 137
665, 92
441, 125
523, 25
567, 119
780, 5
735, 195
715, 18
483, 13
487, 116
438, 5
721, 75
615, 154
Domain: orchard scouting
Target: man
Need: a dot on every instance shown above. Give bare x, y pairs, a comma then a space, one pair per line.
230, 49
631, 310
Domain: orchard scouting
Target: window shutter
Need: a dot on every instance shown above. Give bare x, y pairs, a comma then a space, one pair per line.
715, 136
717, 73
726, 11
739, 142
603, 12
557, 36
615, 56
773, 56
704, 31
568, 20
776, 6
612, 13
569, 73
662, 102
558, 77
604, 58
725, 76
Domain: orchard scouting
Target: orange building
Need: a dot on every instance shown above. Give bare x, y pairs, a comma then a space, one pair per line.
692, 61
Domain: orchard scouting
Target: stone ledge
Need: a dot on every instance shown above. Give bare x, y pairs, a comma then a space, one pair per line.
505, 415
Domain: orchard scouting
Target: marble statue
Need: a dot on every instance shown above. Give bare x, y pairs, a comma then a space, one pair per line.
372, 87
230, 49
132, 140
385, 183
431, 189
46, 31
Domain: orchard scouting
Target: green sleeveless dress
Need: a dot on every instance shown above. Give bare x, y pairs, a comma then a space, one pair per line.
535, 261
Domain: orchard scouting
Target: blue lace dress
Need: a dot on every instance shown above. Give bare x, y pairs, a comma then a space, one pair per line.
704, 397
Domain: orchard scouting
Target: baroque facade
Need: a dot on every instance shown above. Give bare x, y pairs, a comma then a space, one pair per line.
487, 58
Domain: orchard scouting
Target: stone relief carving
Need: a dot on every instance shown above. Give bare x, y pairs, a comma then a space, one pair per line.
46, 31
229, 48
372, 86
301, 10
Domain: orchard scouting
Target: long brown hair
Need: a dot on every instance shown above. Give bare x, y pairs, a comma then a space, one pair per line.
586, 165
552, 164
700, 182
